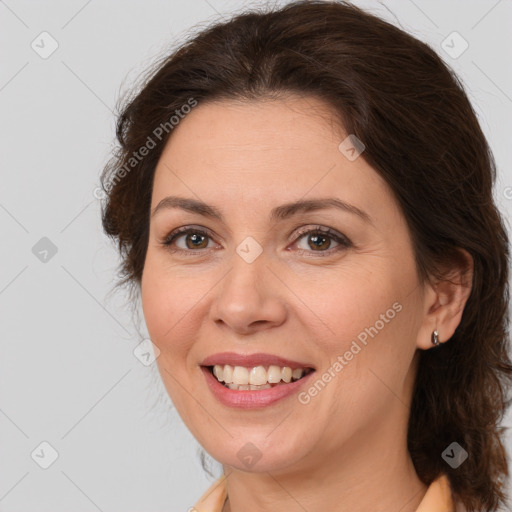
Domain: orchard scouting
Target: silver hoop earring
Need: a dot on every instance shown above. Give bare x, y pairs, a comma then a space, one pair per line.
435, 338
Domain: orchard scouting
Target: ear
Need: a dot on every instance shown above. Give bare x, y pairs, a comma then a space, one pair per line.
445, 299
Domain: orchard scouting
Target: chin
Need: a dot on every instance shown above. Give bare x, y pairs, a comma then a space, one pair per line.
255, 452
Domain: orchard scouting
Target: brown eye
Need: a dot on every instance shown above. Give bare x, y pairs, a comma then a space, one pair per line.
317, 242
195, 241
320, 240
187, 239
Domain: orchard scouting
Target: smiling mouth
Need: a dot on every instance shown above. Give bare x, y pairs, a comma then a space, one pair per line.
240, 378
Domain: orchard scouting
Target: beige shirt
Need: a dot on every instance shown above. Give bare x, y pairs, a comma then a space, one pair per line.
438, 497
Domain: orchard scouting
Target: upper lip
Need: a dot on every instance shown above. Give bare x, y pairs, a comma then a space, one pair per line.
252, 360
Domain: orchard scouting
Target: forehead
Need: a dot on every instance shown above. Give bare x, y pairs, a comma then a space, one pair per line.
288, 123
265, 151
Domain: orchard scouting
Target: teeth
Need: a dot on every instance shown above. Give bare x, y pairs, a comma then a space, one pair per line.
274, 374
218, 371
297, 373
286, 374
246, 387
258, 377
240, 375
228, 374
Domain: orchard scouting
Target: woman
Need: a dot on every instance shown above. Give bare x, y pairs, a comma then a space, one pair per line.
303, 197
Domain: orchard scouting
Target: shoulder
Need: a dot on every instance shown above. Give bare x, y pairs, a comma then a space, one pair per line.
439, 497
213, 498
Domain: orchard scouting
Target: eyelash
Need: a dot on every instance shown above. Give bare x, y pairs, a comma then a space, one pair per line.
344, 242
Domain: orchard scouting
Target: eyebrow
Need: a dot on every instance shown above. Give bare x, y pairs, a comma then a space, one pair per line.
279, 213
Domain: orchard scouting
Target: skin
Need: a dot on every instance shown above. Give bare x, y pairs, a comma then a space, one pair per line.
346, 449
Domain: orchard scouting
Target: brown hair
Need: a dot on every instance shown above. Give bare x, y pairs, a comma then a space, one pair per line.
421, 135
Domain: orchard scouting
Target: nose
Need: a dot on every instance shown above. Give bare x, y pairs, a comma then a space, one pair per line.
249, 298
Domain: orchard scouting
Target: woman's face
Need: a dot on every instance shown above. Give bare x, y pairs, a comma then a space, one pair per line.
324, 286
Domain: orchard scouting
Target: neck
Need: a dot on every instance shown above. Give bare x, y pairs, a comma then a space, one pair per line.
371, 472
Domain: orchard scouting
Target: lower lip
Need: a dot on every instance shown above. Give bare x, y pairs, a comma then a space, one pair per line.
251, 399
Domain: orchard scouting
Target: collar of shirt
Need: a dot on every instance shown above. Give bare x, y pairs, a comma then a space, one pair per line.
438, 497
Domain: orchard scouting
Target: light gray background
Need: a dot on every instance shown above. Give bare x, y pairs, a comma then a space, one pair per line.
68, 375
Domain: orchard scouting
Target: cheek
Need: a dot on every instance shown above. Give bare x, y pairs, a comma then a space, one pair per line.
168, 305
176, 304
368, 317
349, 303
369, 354
156, 303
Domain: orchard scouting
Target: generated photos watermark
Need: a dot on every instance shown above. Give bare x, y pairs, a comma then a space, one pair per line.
328, 375
157, 135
